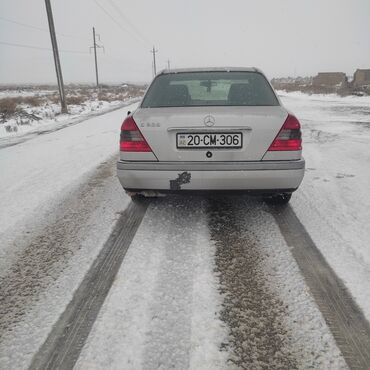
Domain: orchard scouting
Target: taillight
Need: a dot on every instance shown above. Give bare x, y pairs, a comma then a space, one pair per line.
131, 138
289, 136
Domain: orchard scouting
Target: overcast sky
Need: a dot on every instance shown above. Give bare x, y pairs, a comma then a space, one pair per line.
282, 37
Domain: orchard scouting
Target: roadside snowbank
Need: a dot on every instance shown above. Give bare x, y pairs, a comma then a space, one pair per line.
30, 109
51, 119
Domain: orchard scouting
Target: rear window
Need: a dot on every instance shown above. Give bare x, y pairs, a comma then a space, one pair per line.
193, 89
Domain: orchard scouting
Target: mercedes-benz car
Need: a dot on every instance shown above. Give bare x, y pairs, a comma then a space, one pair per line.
214, 129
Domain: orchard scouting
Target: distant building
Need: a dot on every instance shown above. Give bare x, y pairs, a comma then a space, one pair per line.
330, 79
361, 78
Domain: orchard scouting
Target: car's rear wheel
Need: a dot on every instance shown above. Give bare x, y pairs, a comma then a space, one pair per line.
135, 197
138, 198
143, 196
278, 199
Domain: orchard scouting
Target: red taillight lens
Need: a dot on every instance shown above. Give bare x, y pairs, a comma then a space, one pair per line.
289, 137
131, 138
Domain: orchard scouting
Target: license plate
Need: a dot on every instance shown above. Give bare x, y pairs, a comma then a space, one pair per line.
205, 140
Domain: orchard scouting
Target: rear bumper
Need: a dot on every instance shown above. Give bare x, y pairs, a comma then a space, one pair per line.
180, 176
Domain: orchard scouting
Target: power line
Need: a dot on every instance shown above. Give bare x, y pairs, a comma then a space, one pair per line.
23, 46
118, 23
38, 28
24, 24
119, 59
41, 48
139, 33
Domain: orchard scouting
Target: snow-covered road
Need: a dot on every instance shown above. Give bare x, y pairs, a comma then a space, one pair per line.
207, 283
333, 202
38, 173
165, 309
59, 202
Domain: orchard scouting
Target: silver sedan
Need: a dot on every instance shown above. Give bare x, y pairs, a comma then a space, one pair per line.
214, 129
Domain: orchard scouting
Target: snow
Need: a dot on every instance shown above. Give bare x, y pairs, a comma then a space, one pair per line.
163, 307
59, 199
309, 338
333, 201
51, 119
42, 294
35, 172
12, 93
344, 100
144, 312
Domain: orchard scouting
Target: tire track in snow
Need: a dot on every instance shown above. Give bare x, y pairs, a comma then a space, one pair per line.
255, 316
65, 342
46, 254
347, 323
162, 311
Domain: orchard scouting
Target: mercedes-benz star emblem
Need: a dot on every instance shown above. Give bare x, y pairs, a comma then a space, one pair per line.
209, 120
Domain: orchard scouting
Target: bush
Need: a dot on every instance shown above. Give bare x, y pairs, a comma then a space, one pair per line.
8, 106
10, 128
33, 101
75, 99
54, 98
102, 96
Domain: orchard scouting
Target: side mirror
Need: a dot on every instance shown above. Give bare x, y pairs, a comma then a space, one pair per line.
128, 112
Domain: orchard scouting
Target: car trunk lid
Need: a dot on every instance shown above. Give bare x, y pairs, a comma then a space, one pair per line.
258, 126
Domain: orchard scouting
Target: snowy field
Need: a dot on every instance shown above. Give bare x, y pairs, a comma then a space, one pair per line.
13, 93
27, 112
178, 299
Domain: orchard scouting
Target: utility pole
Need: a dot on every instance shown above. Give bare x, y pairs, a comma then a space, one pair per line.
168, 65
95, 55
96, 60
58, 68
154, 51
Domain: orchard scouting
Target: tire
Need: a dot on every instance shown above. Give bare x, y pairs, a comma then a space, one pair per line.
278, 199
142, 198
138, 198
135, 197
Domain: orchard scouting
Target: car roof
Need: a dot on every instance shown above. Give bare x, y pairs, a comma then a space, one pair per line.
210, 69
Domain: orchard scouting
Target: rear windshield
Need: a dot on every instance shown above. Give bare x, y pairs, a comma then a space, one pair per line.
189, 89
